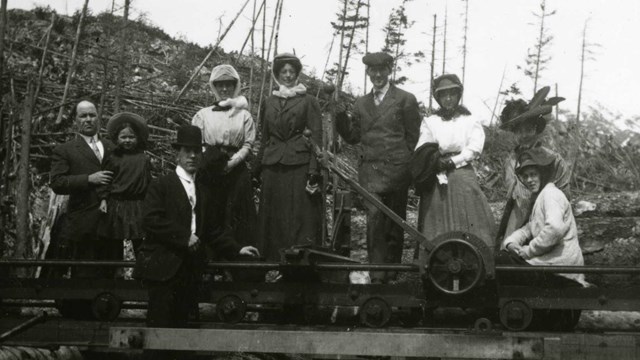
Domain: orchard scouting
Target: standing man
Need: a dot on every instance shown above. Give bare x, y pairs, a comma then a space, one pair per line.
76, 171
386, 123
179, 219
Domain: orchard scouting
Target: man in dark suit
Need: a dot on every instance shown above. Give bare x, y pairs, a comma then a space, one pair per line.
386, 124
76, 171
179, 217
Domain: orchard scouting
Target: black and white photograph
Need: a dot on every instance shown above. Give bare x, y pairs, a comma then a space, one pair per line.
319, 179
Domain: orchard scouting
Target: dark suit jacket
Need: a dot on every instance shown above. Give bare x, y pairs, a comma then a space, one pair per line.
167, 222
388, 134
71, 165
283, 122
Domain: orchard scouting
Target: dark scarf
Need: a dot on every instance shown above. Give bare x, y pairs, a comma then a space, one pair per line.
453, 113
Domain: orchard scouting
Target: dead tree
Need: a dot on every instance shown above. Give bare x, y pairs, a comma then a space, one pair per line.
366, 42
465, 38
536, 59
444, 41
586, 54
433, 62
265, 59
122, 56
206, 58
3, 26
251, 31
350, 46
72, 63
24, 180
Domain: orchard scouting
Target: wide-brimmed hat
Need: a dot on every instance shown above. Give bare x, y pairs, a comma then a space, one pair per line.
378, 59
137, 122
188, 136
534, 157
518, 112
444, 82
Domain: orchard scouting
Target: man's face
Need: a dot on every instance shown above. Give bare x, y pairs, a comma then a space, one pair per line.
379, 75
188, 158
87, 118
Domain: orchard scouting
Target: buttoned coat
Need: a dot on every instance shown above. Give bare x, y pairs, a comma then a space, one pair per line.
167, 222
71, 165
387, 134
283, 122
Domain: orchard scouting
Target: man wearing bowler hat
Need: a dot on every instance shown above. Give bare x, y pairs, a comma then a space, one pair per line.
177, 222
386, 124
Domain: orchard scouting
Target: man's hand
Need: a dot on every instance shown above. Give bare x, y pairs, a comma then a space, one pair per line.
101, 177
103, 206
249, 250
341, 108
194, 242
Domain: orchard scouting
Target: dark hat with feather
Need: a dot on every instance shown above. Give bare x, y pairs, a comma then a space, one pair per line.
518, 112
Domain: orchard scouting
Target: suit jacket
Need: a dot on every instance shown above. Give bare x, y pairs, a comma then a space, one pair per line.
71, 165
387, 133
167, 222
283, 122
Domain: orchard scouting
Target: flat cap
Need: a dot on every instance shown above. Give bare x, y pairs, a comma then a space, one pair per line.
378, 59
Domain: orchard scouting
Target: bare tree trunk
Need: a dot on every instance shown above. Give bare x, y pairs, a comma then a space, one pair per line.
539, 47
326, 64
353, 32
366, 43
433, 62
42, 60
253, 28
21, 250
206, 58
72, 63
3, 26
444, 41
250, 33
582, 60
336, 94
495, 105
264, 73
556, 107
464, 45
122, 56
277, 33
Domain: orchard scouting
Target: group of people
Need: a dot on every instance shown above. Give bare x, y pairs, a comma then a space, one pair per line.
204, 209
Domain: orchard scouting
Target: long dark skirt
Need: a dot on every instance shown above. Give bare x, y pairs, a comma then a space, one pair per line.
288, 215
458, 206
236, 192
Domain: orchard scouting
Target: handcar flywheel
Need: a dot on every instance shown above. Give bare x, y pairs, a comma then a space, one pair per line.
455, 266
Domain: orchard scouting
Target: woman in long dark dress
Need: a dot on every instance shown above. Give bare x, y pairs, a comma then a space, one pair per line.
290, 203
455, 202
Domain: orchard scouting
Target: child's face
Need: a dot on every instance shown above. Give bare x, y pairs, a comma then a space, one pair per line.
127, 139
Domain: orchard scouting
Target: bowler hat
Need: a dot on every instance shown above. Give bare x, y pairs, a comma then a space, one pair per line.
378, 59
137, 122
188, 136
516, 112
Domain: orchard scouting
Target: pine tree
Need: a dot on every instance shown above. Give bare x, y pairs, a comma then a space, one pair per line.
536, 58
350, 21
395, 40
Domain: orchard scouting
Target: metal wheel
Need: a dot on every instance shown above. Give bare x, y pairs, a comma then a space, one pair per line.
231, 309
516, 315
455, 266
106, 307
375, 313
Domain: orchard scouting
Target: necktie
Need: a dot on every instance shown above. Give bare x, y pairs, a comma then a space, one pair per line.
377, 97
95, 149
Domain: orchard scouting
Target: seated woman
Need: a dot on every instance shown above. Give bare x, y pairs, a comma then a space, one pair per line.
550, 237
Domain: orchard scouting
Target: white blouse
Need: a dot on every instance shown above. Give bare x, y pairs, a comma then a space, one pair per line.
233, 127
462, 135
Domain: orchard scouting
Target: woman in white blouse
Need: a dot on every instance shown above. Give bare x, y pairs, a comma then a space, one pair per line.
228, 126
455, 201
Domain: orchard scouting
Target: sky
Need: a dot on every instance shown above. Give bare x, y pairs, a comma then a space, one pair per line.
500, 34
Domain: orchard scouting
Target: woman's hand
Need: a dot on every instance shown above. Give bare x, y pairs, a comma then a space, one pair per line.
515, 249
103, 206
250, 251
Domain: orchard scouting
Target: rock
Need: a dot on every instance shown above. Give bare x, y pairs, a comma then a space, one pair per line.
618, 204
583, 206
595, 233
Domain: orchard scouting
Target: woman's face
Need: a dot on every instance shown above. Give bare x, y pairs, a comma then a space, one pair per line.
530, 177
449, 98
127, 139
287, 75
225, 88
525, 132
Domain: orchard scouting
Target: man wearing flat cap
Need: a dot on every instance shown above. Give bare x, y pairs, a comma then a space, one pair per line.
386, 124
171, 258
